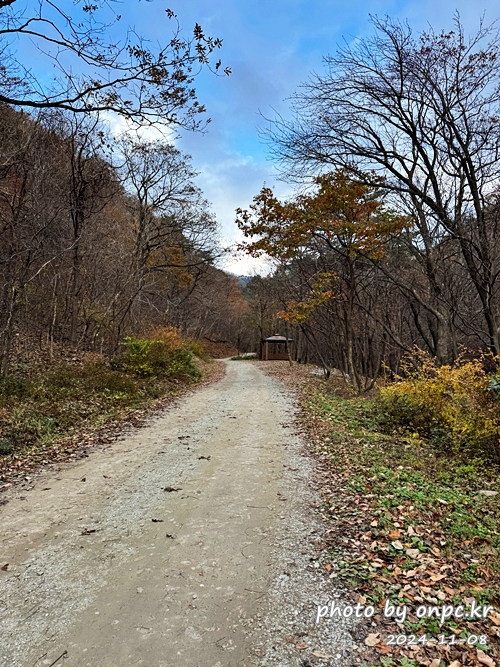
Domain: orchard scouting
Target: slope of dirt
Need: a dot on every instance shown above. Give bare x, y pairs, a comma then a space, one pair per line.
187, 543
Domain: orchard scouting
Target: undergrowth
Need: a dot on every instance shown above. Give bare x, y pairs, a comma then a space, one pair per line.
165, 354
455, 408
35, 410
414, 521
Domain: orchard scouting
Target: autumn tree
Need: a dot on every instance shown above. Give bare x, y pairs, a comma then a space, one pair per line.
333, 230
127, 76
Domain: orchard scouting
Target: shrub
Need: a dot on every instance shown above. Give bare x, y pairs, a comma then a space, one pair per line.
456, 407
136, 356
5, 447
170, 336
165, 354
14, 388
29, 425
36, 411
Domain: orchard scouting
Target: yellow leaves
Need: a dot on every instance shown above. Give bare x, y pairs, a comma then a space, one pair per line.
341, 213
456, 400
298, 312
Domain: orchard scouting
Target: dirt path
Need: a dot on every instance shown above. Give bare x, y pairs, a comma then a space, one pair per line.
111, 568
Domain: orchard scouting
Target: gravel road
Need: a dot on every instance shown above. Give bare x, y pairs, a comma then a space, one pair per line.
187, 543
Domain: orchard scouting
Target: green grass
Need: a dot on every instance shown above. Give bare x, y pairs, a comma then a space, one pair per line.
404, 483
36, 411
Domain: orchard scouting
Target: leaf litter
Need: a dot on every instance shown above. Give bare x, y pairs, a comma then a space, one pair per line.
391, 535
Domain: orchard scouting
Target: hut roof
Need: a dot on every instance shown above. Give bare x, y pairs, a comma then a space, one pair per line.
277, 339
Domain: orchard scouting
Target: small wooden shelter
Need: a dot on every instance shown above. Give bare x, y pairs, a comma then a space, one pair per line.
275, 347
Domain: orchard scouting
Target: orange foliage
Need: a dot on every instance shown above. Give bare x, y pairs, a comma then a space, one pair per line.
297, 312
342, 214
170, 336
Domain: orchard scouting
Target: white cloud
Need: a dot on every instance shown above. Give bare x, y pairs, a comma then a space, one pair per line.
118, 126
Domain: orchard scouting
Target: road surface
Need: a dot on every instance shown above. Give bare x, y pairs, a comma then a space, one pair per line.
186, 543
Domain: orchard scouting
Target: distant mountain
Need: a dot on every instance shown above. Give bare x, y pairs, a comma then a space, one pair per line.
244, 280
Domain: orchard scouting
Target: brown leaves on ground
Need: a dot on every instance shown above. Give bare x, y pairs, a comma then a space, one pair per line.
321, 654
393, 551
373, 639
218, 349
485, 659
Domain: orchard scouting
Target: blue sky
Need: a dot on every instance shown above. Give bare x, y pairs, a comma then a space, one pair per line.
271, 46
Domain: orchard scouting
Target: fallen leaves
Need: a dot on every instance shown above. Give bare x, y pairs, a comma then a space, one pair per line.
387, 532
373, 639
413, 553
383, 559
320, 654
72, 446
485, 659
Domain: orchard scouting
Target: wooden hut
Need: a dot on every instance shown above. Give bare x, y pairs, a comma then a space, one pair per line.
275, 347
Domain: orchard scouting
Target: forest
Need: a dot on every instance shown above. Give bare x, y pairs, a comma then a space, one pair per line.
391, 241
386, 253
130, 365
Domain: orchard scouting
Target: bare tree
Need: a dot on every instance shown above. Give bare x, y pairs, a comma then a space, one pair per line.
168, 209
172, 229
90, 185
422, 112
31, 211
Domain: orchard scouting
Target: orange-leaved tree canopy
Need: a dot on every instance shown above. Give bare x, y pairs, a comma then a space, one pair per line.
341, 215
323, 233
